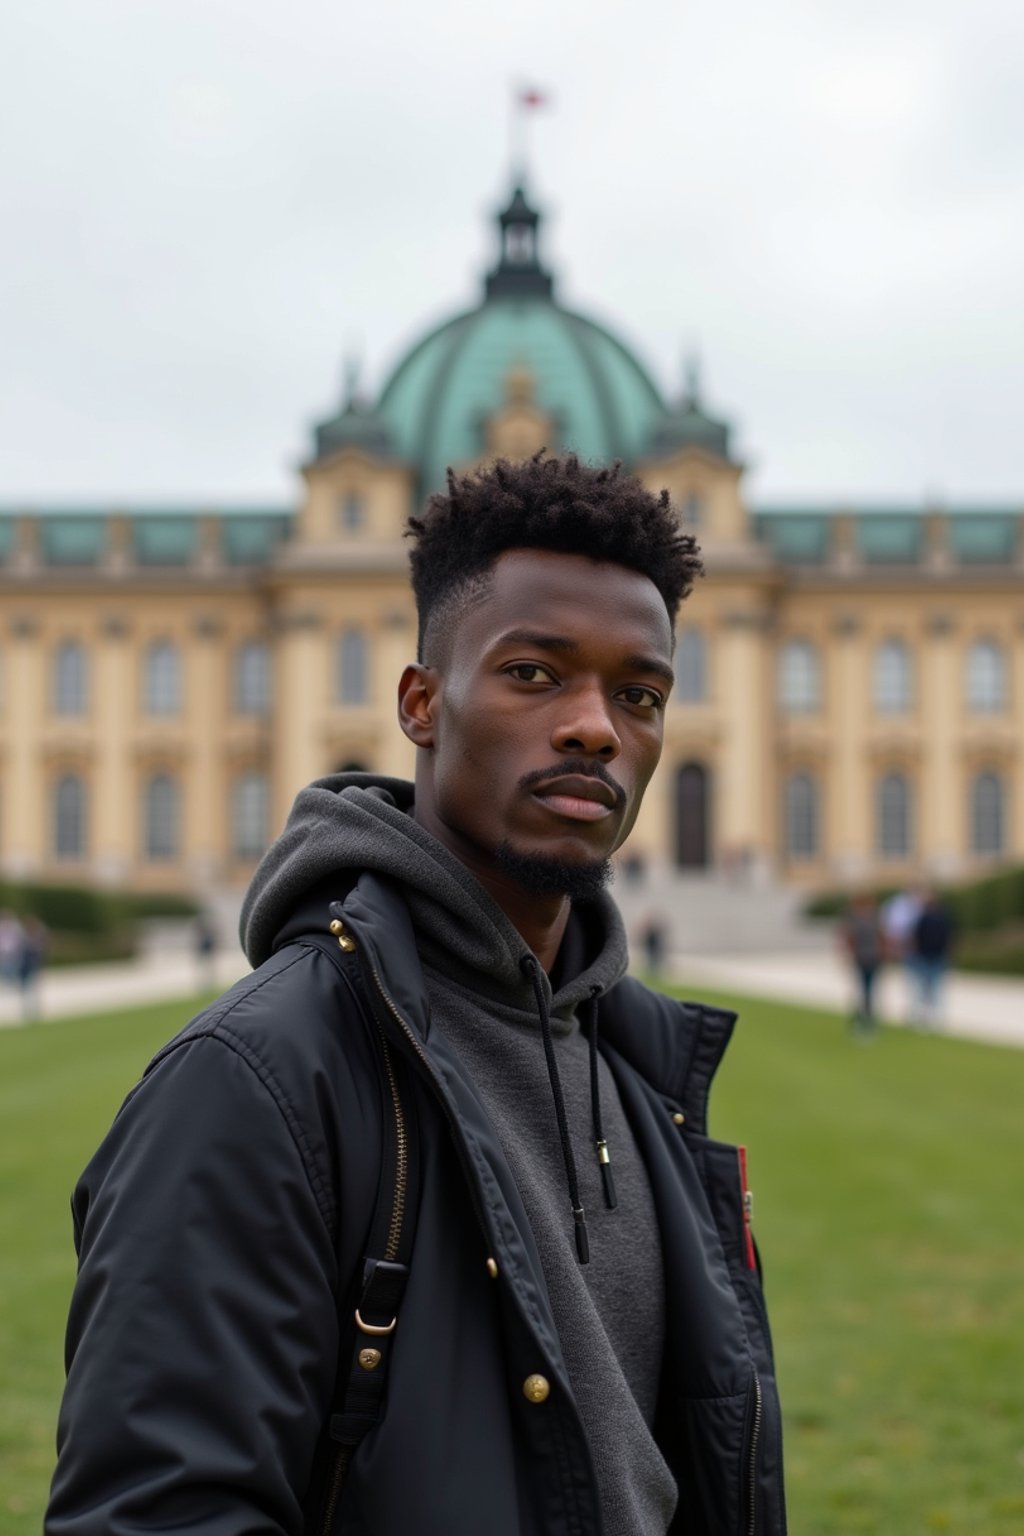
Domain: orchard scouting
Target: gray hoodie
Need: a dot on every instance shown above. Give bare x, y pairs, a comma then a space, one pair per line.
609, 1312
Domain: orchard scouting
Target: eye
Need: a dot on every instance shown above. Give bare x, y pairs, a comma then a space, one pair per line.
528, 672
645, 698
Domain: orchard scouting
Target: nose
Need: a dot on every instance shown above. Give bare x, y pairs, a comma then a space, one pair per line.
585, 726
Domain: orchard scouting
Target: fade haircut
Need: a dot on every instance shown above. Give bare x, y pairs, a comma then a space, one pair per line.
547, 502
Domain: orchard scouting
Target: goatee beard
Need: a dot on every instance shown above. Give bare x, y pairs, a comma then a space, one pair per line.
544, 876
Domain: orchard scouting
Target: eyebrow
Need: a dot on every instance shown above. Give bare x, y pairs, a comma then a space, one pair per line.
562, 645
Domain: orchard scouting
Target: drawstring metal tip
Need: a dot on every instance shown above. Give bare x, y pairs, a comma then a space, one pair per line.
582, 1239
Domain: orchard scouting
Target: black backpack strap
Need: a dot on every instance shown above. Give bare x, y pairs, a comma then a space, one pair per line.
366, 1334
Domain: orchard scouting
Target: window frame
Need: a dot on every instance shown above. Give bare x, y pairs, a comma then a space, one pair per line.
799, 693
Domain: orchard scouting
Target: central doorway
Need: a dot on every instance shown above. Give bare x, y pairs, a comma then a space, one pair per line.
692, 815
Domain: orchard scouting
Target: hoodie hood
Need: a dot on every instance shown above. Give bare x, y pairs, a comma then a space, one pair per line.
350, 822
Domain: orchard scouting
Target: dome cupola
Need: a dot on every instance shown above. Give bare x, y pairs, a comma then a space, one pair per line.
595, 395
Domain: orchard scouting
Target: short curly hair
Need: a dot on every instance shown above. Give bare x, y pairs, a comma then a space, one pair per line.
547, 502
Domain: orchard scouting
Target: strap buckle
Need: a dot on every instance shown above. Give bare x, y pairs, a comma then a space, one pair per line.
372, 1329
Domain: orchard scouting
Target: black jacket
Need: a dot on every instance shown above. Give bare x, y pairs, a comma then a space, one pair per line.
222, 1221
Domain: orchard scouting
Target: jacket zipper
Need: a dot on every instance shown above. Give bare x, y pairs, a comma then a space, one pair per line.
341, 1461
401, 1157
755, 1436
409, 1035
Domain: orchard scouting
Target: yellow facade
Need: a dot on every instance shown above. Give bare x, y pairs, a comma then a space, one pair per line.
748, 736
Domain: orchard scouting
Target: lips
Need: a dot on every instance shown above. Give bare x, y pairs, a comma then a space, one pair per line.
578, 798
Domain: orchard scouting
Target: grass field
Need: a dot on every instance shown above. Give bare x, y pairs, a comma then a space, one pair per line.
889, 1205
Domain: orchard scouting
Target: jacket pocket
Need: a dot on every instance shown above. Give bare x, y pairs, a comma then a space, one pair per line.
714, 1435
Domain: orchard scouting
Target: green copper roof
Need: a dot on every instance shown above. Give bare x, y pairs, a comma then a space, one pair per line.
601, 400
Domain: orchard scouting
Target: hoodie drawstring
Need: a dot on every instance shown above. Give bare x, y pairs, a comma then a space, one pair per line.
603, 1155
532, 969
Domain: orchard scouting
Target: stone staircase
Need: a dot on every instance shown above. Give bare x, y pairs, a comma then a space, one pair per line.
710, 913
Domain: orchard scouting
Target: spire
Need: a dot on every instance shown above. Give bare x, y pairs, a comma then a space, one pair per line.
691, 380
351, 369
686, 424
519, 272
357, 425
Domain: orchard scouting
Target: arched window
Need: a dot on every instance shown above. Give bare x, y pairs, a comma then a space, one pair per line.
987, 817
161, 816
691, 667
893, 817
252, 678
69, 817
351, 512
352, 667
893, 678
162, 679
799, 677
801, 817
69, 679
250, 815
986, 676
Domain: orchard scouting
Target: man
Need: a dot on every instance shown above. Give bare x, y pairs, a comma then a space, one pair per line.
352, 1258
932, 941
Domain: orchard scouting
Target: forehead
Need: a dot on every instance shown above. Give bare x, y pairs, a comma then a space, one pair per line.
568, 594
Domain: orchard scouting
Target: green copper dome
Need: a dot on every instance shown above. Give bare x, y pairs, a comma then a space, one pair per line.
602, 402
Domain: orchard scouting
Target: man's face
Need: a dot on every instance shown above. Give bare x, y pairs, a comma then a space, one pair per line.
545, 724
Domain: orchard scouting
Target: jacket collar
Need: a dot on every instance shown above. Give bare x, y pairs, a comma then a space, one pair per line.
675, 1046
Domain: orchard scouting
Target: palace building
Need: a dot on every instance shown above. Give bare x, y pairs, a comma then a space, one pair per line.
850, 692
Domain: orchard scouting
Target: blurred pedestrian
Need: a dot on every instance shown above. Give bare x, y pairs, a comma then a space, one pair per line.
932, 939
11, 936
35, 946
864, 942
899, 917
206, 949
654, 942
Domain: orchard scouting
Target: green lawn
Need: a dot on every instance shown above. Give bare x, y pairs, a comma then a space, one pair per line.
889, 1205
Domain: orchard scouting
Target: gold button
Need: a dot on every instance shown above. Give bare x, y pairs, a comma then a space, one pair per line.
337, 926
536, 1388
369, 1359
492, 1269
347, 944
678, 1119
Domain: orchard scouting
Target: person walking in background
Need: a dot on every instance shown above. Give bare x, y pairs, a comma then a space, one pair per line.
898, 916
205, 940
932, 942
654, 942
864, 943
11, 936
34, 947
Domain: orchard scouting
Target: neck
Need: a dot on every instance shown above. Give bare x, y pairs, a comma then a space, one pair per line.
539, 920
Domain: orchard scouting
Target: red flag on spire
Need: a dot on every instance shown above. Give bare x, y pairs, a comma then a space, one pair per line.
532, 98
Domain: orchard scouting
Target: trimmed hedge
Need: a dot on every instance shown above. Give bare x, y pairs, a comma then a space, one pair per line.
82, 909
91, 949
87, 925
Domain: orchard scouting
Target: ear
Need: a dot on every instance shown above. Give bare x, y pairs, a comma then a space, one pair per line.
418, 691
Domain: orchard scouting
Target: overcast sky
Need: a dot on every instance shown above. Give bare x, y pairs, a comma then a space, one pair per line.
207, 202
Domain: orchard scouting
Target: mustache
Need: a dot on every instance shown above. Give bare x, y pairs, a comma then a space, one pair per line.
575, 767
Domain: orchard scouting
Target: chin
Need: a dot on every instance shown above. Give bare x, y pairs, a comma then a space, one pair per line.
547, 874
